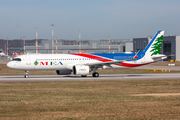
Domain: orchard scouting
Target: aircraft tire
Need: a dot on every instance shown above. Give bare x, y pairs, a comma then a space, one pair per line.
95, 74
26, 76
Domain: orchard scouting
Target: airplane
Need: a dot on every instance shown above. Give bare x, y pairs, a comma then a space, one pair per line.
2, 53
82, 64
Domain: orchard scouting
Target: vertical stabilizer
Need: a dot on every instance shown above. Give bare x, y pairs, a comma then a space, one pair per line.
154, 47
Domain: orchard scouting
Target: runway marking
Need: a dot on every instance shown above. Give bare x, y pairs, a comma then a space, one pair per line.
158, 94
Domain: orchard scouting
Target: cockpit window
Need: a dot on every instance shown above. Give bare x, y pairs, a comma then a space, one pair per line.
16, 59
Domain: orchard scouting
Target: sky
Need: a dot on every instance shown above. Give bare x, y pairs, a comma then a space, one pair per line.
97, 19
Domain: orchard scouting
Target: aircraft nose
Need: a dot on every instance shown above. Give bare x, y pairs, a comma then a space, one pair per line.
10, 65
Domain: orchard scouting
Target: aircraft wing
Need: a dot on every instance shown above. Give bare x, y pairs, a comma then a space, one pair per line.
101, 63
96, 64
108, 63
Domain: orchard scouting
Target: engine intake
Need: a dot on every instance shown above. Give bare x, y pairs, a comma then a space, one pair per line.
80, 70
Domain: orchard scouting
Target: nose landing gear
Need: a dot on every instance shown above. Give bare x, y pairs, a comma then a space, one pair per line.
27, 74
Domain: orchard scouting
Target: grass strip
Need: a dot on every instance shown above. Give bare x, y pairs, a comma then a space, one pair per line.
91, 100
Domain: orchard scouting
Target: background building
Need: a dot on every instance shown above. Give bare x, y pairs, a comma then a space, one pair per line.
72, 46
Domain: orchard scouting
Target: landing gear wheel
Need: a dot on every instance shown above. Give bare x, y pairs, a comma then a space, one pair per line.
95, 74
27, 74
83, 75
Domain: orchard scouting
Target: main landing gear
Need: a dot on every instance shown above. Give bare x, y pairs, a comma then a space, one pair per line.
27, 74
95, 74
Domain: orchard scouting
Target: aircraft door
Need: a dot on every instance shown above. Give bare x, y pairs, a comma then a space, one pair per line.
28, 60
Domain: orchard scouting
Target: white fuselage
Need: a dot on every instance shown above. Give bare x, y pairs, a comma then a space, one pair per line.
65, 62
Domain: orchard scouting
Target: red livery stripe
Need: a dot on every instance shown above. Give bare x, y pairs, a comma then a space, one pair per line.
94, 57
132, 65
108, 60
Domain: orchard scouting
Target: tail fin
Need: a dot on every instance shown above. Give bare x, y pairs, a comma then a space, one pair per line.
154, 47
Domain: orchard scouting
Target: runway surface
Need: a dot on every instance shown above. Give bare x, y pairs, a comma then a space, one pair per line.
158, 67
102, 77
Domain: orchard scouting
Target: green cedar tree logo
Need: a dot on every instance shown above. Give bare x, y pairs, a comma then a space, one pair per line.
35, 63
156, 47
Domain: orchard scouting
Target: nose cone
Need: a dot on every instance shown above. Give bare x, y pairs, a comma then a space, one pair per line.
10, 65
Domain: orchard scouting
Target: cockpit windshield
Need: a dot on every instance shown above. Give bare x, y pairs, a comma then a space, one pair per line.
16, 59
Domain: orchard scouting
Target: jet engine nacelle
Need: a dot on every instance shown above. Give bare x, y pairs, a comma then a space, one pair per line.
80, 70
63, 72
